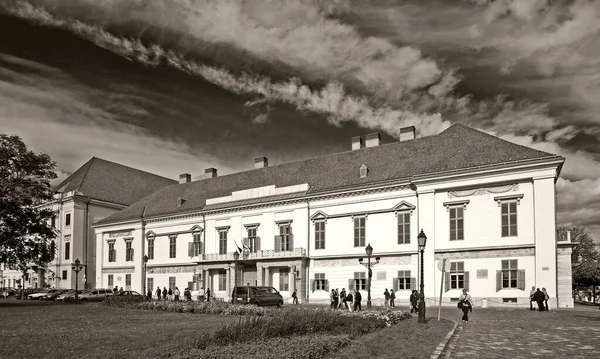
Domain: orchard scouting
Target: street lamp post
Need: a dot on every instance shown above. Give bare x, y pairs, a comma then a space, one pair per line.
422, 239
77, 268
145, 277
369, 265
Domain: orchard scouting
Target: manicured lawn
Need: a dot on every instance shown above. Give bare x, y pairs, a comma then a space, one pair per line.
49, 330
407, 340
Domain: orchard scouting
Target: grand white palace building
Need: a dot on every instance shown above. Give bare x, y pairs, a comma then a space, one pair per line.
486, 205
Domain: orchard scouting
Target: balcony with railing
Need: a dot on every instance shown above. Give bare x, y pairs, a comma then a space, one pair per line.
284, 248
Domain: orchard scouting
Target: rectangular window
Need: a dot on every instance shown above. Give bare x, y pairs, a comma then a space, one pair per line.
151, 248
172, 246
53, 221
509, 273
285, 235
404, 228
111, 280
360, 280
222, 280
172, 283
150, 285
404, 280
320, 281
509, 219
320, 235
128, 251
223, 241
457, 223
67, 219
112, 252
67, 250
64, 275
197, 244
127, 281
284, 279
457, 275
359, 231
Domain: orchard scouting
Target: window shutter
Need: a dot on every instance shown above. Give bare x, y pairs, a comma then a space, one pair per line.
521, 279
466, 284
498, 280
327, 285
277, 243
395, 284
246, 242
191, 249
312, 284
350, 284
257, 243
190, 285
291, 241
132, 251
447, 281
413, 283
199, 247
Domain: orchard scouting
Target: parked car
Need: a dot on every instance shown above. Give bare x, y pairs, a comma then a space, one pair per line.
259, 296
53, 295
95, 295
9, 290
38, 295
70, 295
127, 292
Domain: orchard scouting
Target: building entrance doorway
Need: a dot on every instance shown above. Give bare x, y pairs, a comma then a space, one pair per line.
245, 275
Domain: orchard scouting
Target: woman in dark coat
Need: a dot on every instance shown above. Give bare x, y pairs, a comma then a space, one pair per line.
158, 292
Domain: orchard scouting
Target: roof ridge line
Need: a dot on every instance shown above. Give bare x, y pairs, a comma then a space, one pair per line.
86, 172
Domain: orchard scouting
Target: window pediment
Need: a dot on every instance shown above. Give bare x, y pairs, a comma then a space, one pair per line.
150, 235
403, 206
510, 198
462, 203
319, 216
196, 229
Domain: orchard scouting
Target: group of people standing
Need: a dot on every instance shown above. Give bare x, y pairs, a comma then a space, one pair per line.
389, 298
170, 294
540, 297
340, 300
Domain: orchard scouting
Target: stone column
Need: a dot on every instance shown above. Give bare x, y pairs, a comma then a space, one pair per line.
564, 292
267, 279
259, 274
292, 279
227, 283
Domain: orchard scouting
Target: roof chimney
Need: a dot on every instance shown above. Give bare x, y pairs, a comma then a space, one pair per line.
357, 143
185, 178
407, 133
261, 162
372, 139
210, 172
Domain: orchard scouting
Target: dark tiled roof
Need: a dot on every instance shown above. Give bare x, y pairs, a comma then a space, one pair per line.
457, 148
108, 181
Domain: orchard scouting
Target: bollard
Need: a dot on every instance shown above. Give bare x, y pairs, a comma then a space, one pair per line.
484, 303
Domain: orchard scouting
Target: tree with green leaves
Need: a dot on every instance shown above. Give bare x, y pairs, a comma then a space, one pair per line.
25, 232
584, 259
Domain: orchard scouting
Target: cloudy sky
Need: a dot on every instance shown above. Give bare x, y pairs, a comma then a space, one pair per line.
182, 85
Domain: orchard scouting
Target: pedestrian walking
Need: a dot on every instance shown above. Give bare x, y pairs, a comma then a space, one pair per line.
158, 293
350, 299
539, 298
343, 301
177, 293
165, 293
413, 302
208, 295
465, 304
531, 293
332, 298
149, 294
386, 298
294, 297
170, 293
357, 300
392, 298
546, 297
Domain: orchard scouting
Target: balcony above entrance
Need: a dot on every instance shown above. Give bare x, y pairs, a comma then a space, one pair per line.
260, 254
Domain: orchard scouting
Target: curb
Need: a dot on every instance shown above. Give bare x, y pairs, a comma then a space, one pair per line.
437, 353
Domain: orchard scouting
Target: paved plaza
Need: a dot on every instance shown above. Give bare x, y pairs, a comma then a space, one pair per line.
521, 333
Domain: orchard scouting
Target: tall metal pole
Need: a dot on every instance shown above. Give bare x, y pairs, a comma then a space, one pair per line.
422, 302
76, 282
369, 283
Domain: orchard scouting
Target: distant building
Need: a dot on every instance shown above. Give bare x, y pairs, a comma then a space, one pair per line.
485, 204
96, 190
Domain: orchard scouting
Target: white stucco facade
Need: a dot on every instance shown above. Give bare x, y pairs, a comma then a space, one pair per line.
500, 267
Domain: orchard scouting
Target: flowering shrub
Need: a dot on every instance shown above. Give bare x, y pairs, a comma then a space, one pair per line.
289, 324
388, 317
300, 347
122, 301
222, 308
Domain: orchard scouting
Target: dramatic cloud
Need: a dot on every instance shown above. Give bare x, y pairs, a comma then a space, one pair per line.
52, 113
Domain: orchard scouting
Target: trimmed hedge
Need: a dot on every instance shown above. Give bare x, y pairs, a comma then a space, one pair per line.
301, 347
289, 324
122, 301
213, 307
